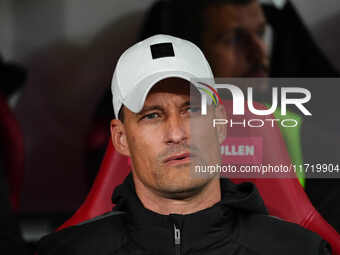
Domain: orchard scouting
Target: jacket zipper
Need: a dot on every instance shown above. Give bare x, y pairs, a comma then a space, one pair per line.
177, 240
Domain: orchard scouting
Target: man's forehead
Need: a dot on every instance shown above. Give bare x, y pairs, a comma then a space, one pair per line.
169, 89
175, 86
229, 16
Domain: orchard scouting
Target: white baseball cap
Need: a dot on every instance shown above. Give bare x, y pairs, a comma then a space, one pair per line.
156, 58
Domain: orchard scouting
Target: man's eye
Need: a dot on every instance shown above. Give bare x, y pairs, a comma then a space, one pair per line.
151, 116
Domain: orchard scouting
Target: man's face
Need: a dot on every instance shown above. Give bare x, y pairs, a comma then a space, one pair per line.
159, 138
232, 40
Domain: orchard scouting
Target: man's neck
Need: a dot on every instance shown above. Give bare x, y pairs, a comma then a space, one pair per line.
207, 197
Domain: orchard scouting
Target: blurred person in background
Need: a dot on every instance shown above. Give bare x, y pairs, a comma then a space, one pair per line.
232, 33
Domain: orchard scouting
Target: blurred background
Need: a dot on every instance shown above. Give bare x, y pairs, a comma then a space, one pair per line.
57, 60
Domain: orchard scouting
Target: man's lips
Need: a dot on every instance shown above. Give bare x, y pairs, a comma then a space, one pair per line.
178, 158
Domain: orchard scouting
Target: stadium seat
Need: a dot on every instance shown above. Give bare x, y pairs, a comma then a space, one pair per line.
283, 195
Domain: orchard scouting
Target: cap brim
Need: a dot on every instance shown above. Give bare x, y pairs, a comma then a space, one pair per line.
135, 100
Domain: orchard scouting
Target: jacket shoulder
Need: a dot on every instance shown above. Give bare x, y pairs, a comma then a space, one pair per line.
266, 234
98, 236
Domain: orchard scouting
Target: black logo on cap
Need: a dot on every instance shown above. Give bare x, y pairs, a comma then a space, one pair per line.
162, 50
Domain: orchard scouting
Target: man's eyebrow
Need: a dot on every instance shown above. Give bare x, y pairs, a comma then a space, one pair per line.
159, 107
150, 108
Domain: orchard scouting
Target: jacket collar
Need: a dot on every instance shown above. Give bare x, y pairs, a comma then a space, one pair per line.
156, 232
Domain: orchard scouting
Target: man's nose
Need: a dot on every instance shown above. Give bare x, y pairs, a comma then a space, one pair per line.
176, 129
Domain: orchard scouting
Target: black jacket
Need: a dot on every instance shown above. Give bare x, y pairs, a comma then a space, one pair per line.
238, 224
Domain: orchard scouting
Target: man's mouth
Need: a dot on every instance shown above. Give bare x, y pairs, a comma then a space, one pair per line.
181, 158
259, 74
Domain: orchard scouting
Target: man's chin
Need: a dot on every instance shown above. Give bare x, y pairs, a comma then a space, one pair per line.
177, 172
180, 182
182, 191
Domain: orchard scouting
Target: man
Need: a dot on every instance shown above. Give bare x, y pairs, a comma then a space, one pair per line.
162, 208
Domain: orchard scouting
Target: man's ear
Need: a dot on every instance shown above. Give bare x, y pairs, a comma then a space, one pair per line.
118, 136
220, 113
